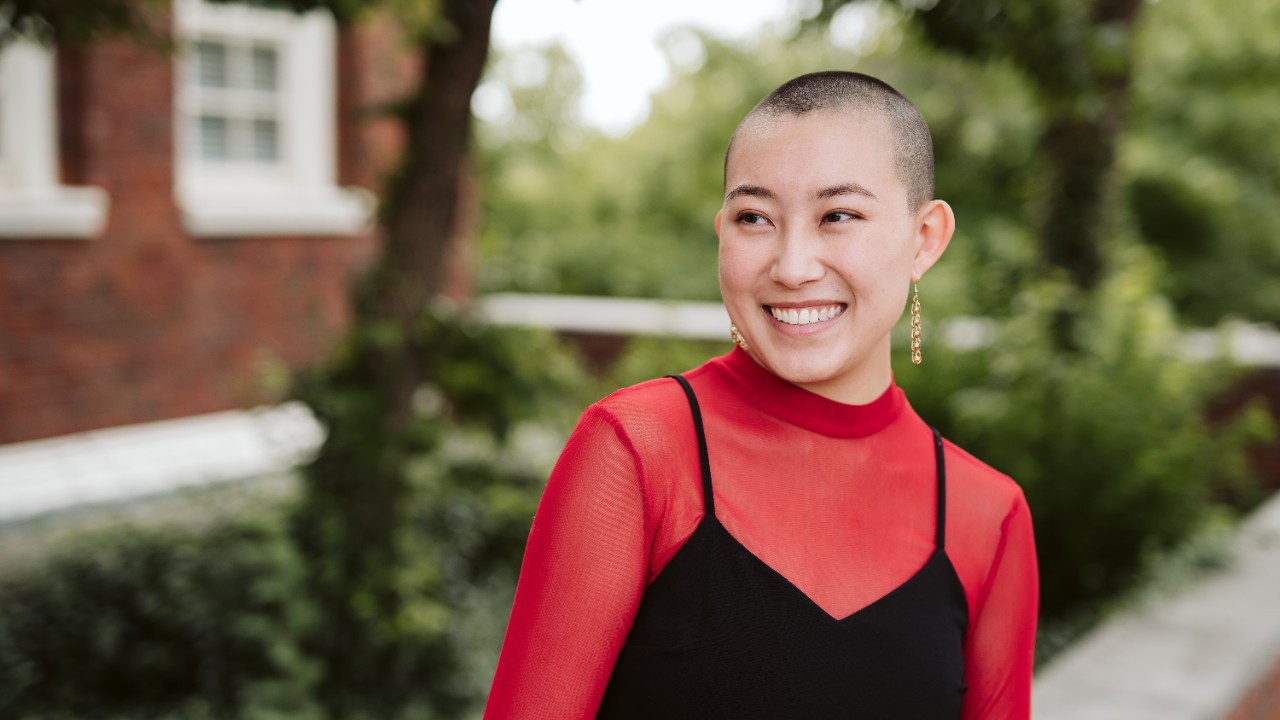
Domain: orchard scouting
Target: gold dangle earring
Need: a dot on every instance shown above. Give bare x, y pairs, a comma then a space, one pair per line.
736, 337
915, 322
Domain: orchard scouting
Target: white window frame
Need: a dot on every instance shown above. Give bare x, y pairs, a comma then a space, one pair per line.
298, 195
33, 204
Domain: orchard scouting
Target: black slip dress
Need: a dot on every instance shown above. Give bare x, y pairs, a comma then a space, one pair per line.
720, 634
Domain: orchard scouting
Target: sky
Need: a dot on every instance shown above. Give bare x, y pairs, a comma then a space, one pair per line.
615, 42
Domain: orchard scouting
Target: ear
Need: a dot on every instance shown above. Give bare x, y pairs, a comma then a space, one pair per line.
719, 216
935, 224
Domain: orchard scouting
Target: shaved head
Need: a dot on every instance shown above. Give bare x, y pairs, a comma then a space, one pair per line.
849, 92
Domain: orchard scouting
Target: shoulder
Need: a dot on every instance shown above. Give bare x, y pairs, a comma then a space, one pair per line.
643, 408
648, 397
985, 506
651, 416
970, 476
988, 526
653, 422
623, 440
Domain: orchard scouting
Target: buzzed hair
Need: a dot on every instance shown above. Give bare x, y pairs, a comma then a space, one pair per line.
850, 91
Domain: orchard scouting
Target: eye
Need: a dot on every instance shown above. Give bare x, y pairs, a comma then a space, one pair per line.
752, 218
838, 216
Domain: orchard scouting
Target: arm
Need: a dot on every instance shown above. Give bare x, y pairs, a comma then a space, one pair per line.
580, 582
1000, 643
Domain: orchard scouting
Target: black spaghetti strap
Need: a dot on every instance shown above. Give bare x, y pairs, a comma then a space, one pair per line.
708, 499
941, 540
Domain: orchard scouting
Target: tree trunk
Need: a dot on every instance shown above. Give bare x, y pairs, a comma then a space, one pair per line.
422, 209
1078, 154
353, 519
1079, 149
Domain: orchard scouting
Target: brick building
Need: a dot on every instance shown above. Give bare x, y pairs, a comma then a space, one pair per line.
174, 222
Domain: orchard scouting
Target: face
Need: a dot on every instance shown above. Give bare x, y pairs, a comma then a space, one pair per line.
818, 248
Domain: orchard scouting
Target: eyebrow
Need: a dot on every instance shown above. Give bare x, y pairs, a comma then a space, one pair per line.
823, 194
845, 189
750, 190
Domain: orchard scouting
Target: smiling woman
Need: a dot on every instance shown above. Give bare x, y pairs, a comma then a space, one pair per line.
776, 533
818, 216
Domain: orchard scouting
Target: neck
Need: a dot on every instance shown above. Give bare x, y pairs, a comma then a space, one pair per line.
857, 390
823, 414
857, 385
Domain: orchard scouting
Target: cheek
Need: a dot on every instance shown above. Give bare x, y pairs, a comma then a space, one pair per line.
876, 279
892, 285
737, 267
888, 263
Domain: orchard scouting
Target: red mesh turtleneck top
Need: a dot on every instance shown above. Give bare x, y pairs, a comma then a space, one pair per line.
839, 499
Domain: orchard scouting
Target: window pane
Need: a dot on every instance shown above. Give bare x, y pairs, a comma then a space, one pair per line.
266, 70
211, 64
266, 140
215, 140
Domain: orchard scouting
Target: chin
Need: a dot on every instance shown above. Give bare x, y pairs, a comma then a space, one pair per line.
803, 370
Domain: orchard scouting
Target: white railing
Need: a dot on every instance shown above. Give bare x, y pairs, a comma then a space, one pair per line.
1249, 344
135, 461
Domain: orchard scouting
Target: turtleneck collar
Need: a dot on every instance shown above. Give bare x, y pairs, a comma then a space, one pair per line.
800, 407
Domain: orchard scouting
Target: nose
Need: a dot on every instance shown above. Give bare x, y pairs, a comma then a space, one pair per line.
798, 260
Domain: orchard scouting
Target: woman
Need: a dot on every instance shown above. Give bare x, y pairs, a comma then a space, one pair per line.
777, 534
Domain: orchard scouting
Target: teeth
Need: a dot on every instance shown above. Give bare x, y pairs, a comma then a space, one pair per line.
806, 316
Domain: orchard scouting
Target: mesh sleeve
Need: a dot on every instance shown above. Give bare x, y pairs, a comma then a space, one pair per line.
580, 582
1001, 643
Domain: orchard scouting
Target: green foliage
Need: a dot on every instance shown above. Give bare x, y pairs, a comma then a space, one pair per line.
1110, 445
1064, 47
410, 526
74, 21
570, 211
69, 21
649, 357
1202, 166
202, 621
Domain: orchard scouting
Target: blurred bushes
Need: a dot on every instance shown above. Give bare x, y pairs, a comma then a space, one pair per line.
413, 525
187, 621
1202, 163
1110, 444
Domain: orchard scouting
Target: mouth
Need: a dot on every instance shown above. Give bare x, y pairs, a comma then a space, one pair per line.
807, 315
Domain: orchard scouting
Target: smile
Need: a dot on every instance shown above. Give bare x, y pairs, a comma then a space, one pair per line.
806, 316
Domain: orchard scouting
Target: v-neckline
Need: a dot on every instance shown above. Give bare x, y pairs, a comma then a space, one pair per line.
709, 517
804, 598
